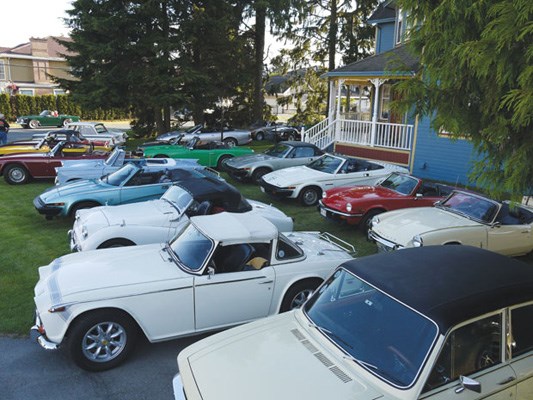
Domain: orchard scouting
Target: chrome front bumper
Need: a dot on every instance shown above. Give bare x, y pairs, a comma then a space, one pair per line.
179, 393
72, 241
35, 334
383, 245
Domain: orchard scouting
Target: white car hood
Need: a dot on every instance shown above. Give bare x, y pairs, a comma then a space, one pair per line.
294, 176
109, 272
400, 226
146, 213
248, 160
268, 360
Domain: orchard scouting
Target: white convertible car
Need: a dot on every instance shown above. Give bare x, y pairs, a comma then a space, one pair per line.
157, 221
462, 218
307, 183
221, 270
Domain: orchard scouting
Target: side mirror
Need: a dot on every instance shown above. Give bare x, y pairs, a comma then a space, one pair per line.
468, 383
210, 271
418, 195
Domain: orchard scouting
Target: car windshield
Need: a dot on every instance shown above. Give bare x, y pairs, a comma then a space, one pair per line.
383, 335
400, 183
112, 157
191, 248
193, 129
280, 150
99, 128
121, 175
44, 113
178, 197
327, 164
470, 206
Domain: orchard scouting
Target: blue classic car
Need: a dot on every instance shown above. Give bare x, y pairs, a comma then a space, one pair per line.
131, 183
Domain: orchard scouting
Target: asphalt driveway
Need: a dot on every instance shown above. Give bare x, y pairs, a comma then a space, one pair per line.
29, 372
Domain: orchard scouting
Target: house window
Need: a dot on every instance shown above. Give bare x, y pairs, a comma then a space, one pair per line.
399, 25
2, 71
58, 92
27, 92
385, 101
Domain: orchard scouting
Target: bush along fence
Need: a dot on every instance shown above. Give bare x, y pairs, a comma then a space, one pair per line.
14, 106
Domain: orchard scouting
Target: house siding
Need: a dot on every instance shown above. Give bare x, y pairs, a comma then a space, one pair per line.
384, 37
441, 158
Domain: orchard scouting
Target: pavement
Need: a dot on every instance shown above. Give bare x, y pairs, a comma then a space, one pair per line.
29, 372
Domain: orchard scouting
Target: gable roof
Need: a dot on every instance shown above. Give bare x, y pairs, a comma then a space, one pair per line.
385, 12
397, 62
51, 47
448, 284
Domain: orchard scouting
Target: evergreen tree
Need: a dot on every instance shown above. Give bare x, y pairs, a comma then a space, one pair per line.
476, 79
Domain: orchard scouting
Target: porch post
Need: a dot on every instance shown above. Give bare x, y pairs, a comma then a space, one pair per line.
331, 111
340, 82
376, 82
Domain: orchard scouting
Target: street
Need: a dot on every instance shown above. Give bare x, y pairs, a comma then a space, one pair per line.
29, 372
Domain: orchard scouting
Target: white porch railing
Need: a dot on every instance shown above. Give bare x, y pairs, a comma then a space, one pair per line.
387, 135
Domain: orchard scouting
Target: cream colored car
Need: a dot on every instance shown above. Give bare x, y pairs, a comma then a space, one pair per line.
462, 218
434, 323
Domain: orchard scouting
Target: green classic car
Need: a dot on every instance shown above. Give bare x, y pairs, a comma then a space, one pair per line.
46, 118
210, 154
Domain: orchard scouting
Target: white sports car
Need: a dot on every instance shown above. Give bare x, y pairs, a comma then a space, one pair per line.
158, 221
220, 270
307, 183
462, 218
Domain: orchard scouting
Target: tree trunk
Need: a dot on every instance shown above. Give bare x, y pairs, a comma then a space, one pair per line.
332, 40
258, 96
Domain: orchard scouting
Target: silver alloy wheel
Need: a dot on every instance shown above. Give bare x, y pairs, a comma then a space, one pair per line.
66, 122
310, 196
34, 124
104, 342
17, 175
300, 298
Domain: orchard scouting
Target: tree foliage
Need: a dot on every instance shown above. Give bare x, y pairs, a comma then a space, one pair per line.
477, 81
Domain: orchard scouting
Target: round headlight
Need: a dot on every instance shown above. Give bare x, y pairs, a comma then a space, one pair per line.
348, 207
417, 241
374, 221
323, 195
84, 232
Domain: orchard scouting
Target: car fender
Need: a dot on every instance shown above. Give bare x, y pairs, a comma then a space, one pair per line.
466, 235
134, 233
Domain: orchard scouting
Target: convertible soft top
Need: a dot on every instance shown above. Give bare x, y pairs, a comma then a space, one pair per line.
448, 284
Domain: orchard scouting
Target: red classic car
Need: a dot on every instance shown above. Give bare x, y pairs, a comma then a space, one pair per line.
358, 204
20, 168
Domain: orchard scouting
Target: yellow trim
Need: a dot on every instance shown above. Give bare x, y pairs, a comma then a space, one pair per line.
413, 146
383, 149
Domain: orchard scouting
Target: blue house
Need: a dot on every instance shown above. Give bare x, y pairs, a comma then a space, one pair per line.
380, 133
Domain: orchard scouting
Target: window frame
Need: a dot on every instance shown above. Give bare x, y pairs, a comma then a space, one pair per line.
3, 71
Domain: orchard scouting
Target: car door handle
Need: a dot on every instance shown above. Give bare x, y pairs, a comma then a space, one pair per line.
506, 381
265, 282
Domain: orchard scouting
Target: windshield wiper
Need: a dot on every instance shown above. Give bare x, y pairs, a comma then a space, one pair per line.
329, 333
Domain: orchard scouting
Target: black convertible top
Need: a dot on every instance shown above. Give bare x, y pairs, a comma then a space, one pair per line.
218, 192
448, 284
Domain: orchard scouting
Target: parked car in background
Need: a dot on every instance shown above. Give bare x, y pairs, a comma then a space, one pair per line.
210, 153
462, 218
129, 184
230, 136
282, 155
306, 183
73, 170
431, 323
46, 118
276, 132
173, 135
94, 130
359, 204
158, 221
220, 270
21, 168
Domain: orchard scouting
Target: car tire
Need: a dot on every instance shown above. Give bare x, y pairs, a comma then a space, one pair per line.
82, 206
220, 163
113, 331
33, 124
291, 137
298, 294
364, 224
259, 136
259, 173
116, 243
16, 174
309, 195
161, 156
66, 122
231, 142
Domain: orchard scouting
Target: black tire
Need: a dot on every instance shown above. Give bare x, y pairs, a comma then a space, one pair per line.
231, 142
66, 121
309, 195
161, 156
298, 294
16, 174
291, 137
221, 160
259, 136
115, 333
259, 172
116, 243
82, 206
33, 124
364, 224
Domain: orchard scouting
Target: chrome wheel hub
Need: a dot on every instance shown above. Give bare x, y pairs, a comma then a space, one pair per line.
300, 298
104, 342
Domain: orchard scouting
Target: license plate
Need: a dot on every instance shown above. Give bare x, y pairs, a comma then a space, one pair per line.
322, 212
262, 189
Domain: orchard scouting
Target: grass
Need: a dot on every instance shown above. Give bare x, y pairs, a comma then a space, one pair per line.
29, 241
